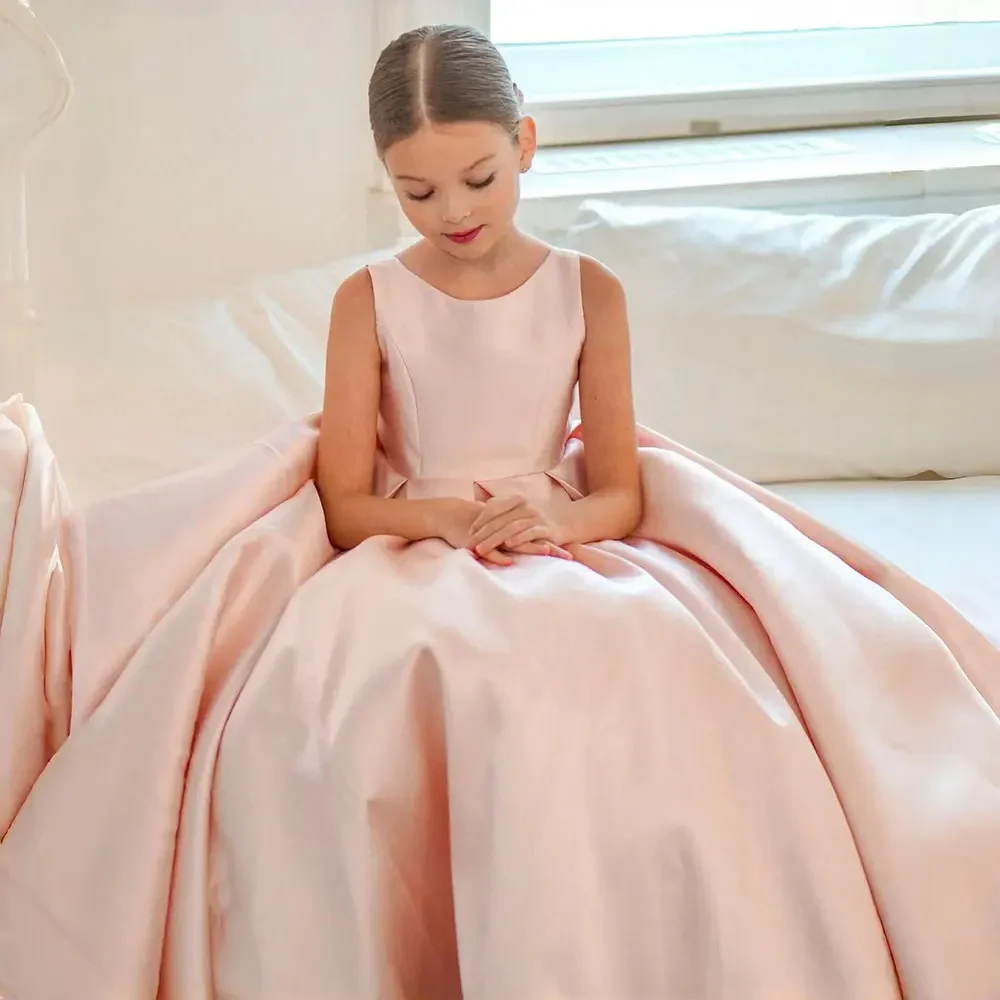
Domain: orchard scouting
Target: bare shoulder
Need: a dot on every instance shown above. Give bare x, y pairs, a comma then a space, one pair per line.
600, 288
355, 296
352, 317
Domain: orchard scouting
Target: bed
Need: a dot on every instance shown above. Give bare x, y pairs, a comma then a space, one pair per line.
946, 533
851, 363
127, 396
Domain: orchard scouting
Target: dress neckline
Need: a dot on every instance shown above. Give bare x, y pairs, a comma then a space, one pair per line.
495, 298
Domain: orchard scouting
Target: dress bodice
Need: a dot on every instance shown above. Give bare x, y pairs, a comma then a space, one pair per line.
475, 393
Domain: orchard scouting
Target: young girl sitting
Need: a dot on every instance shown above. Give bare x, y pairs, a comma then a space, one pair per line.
558, 715
470, 343
621, 797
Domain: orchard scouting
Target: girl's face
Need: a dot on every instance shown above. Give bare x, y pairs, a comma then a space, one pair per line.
459, 184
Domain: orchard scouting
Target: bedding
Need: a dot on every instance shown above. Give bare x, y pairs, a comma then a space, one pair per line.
786, 348
129, 395
946, 533
811, 347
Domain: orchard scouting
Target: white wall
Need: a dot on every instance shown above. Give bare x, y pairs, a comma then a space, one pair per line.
207, 141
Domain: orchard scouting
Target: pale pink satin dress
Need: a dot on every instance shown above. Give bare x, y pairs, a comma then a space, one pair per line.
733, 758
559, 781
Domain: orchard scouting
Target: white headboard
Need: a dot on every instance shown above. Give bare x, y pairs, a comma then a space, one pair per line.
34, 90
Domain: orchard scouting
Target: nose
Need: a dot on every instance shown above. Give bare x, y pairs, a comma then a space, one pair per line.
456, 210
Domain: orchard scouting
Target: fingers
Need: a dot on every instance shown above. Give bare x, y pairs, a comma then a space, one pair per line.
494, 508
541, 548
493, 537
528, 549
559, 552
494, 558
531, 533
512, 524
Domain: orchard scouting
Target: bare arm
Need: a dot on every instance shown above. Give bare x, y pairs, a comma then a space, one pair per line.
347, 440
614, 504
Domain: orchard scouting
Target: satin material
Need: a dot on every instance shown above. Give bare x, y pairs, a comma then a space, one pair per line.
736, 757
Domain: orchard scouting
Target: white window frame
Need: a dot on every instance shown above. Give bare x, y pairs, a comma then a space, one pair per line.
904, 74
912, 73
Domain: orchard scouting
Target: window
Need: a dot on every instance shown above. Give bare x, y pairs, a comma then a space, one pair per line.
635, 69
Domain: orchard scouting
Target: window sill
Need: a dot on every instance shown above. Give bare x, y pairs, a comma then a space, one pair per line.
816, 170
897, 170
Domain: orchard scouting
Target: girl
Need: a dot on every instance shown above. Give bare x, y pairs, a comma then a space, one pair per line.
477, 293
530, 734
620, 798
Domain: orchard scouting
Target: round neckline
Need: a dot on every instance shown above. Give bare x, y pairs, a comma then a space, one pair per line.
495, 298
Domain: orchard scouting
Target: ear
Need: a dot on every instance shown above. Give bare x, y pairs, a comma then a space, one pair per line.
527, 141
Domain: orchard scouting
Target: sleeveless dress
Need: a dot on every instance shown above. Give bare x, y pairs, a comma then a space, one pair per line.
442, 431
732, 758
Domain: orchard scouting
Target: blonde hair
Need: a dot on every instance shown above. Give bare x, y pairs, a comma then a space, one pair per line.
441, 74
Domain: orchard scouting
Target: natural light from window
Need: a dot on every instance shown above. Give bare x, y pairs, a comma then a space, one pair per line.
535, 21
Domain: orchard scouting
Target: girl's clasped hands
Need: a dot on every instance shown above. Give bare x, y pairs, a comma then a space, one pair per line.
502, 527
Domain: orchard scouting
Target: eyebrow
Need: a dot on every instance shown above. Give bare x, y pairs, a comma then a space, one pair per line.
420, 180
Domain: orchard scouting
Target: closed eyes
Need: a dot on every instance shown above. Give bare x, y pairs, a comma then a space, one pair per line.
475, 185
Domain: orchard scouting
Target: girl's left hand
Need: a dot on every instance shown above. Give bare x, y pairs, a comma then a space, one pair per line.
515, 525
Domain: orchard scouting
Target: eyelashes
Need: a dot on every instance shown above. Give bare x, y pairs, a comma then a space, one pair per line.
483, 184
476, 186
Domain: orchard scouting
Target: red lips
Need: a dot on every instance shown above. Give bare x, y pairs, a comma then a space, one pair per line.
466, 237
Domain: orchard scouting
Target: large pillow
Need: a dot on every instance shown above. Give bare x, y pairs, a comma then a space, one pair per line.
128, 396
812, 347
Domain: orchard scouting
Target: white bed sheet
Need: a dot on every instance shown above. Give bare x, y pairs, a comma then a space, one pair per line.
945, 533
131, 396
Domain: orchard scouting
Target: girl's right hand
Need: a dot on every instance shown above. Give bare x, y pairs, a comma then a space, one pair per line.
454, 519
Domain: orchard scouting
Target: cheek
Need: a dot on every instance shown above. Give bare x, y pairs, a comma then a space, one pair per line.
418, 214
496, 202
505, 194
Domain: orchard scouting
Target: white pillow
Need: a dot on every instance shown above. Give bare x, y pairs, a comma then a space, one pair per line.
811, 347
130, 396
